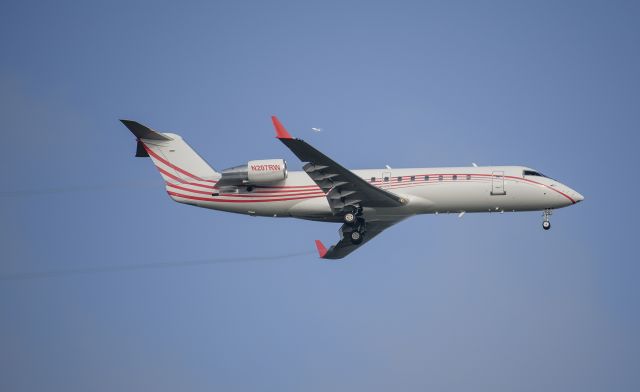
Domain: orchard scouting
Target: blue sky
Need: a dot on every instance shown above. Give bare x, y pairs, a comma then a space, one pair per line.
487, 302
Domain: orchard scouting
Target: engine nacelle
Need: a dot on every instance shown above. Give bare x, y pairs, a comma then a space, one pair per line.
266, 170
262, 171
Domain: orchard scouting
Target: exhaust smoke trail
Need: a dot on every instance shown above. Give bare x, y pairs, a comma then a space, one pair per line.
82, 188
144, 266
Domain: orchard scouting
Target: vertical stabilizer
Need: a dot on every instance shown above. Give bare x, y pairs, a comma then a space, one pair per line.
174, 158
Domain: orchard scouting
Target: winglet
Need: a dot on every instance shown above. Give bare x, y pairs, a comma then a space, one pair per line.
281, 132
322, 251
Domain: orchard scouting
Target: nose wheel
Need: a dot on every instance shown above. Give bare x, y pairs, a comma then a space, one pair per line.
546, 224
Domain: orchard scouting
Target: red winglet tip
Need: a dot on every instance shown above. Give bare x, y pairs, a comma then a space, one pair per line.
322, 251
281, 132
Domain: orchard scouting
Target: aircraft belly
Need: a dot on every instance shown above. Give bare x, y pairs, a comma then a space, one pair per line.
281, 208
315, 207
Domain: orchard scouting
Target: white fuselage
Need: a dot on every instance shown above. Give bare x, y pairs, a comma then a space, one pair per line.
366, 202
426, 190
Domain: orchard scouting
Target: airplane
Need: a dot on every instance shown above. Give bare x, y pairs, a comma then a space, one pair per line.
366, 202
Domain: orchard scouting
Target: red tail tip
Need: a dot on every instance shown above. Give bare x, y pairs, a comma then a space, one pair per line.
281, 132
322, 251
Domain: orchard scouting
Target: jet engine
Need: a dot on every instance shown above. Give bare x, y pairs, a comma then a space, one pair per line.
262, 171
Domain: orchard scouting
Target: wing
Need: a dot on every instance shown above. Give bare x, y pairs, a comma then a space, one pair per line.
344, 247
342, 187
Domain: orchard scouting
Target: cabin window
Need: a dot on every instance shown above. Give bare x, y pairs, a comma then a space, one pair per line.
412, 178
373, 179
455, 177
426, 178
399, 179
440, 178
468, 176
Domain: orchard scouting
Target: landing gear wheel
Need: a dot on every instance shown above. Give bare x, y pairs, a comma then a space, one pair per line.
356, 237
545, 218
350, 218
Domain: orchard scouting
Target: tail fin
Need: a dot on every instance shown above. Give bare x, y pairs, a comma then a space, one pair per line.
174, 158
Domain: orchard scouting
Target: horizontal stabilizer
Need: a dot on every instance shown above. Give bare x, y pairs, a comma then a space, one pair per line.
143, 132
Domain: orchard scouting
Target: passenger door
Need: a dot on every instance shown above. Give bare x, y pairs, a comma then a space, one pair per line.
497, 183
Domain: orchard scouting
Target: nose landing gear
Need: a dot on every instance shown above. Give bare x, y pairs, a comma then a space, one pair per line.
545, 223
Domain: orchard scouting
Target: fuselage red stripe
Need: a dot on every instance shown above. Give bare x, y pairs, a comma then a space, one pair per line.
171, 165
187, 189
166, 173
238, 201
264, 188
544, 185
199, 185
263, 193
286, 186
461, 177
274, 195
290, 190
279, 193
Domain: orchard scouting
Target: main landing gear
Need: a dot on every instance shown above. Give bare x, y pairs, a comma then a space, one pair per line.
350, 218
354, 219
356, 237
545, 223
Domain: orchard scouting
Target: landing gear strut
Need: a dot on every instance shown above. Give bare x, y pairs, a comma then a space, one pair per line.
354, 219
545, 223
350, 218
353, 216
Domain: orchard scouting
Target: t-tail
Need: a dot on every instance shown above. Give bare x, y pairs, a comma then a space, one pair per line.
176, 161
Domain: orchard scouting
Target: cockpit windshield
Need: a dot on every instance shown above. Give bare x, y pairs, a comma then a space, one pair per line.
532, 173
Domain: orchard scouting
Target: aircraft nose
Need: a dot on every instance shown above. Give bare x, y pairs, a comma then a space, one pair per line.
577, 197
